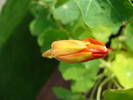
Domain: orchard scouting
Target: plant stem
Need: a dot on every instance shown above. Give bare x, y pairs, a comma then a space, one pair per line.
110, 84
101, 75
100, 87
94, 89
99, 79
117, 84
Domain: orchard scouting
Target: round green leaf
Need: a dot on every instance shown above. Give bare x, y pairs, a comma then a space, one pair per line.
82, 74
122, 68
67, 13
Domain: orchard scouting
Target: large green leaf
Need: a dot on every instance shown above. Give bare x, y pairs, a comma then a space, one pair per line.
82, 74
118, 94
122, 68
22, 70
11, 16
129, 35
108, 13
67, 13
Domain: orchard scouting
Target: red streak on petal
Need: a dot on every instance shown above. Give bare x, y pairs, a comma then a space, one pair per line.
94, 56
74, 58
94, 42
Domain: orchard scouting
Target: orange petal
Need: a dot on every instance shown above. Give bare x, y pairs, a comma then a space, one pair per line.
47, 54
74, 58
64, 47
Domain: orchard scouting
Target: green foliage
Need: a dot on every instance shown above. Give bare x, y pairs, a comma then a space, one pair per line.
122, 68
83, 74
64, 94
44, 40
67, 13
22, 69
41, 21
11, 16
109, 13
43, 26
116, 44
81, 19
99, 31
126, 94
129, 36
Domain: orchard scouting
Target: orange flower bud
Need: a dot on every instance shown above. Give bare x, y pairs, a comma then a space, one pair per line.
75, 51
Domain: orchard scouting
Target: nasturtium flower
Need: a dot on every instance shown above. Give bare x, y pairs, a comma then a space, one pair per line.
75, 51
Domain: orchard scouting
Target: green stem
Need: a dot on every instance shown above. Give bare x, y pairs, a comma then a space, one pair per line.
94, 89
117, 84
101, 75
99, 79
100, 87
110, 84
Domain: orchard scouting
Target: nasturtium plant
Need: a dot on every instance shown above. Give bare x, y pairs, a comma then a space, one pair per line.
109, 13
91, 42
108, 21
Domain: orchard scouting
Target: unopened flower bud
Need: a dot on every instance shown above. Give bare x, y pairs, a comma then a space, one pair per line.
75, 51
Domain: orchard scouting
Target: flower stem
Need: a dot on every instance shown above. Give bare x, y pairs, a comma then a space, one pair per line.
99, 79
117, 84
95, 87
100, 87
110, 84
